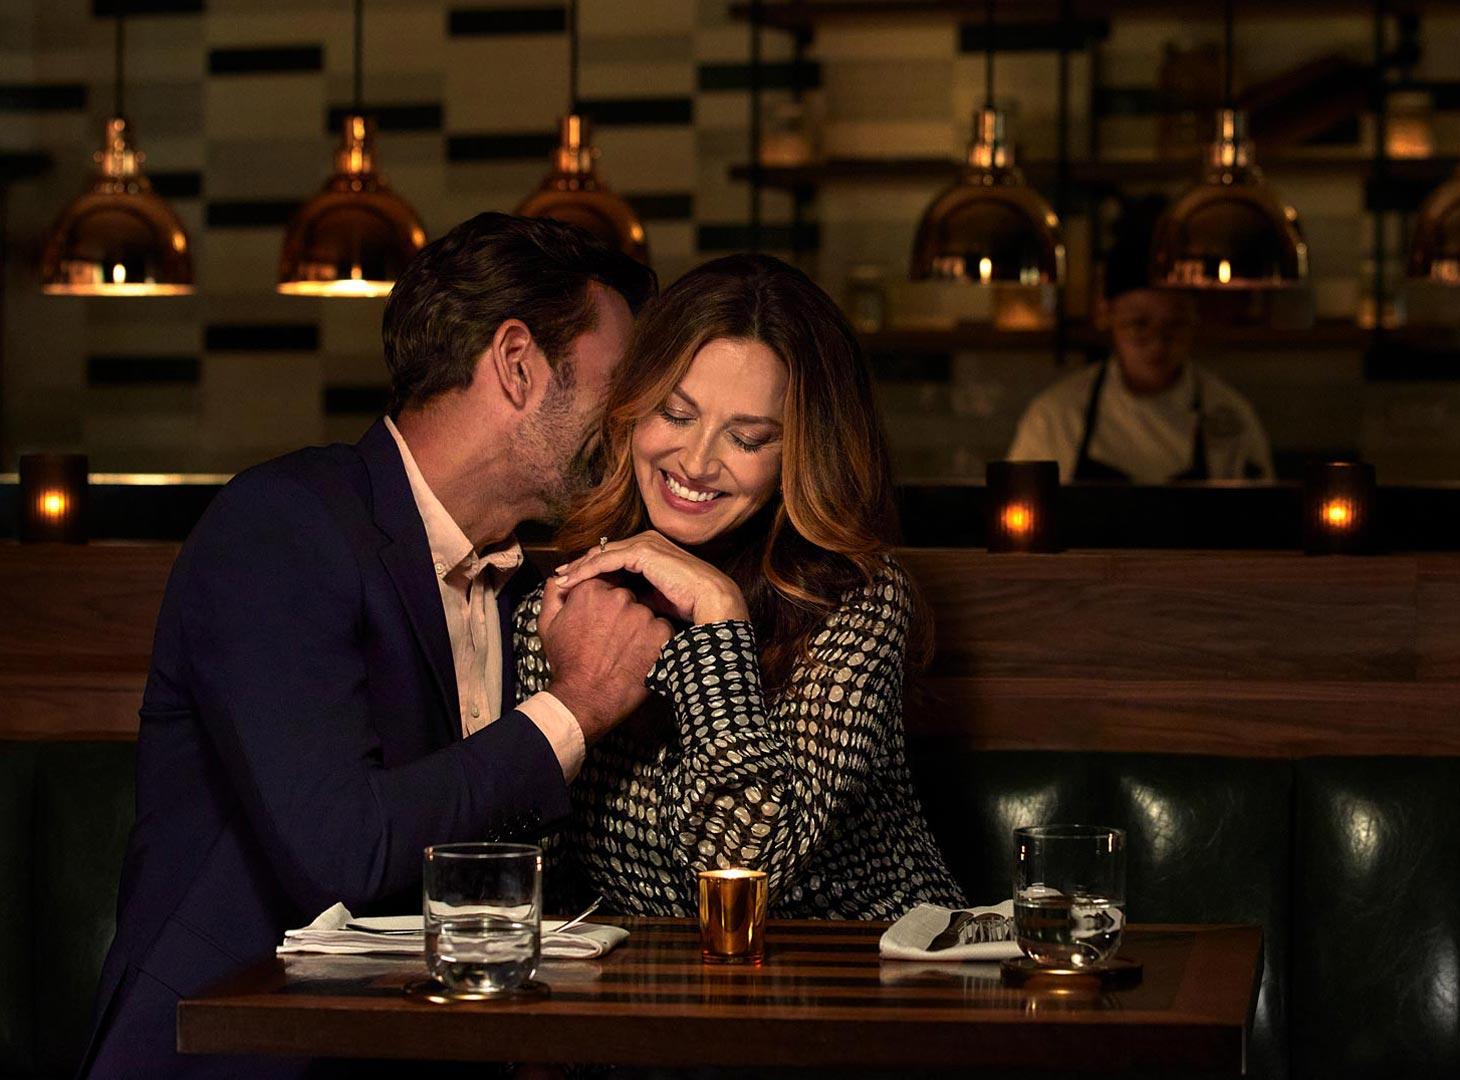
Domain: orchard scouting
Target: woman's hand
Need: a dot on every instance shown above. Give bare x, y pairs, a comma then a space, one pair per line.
693, 589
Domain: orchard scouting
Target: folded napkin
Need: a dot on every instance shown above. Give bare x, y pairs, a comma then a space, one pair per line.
405, 936
910, 936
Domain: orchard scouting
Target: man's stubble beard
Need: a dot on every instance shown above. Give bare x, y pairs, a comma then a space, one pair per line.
559, 445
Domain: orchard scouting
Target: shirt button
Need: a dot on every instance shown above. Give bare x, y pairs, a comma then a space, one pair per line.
475, 712
440, 569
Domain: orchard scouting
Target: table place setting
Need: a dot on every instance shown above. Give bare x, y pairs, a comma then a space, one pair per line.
338, 933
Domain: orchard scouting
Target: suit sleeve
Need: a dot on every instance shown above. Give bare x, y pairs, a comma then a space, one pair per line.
275, 623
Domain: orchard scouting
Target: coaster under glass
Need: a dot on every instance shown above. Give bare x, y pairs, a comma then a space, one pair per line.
438, 993
1113, 974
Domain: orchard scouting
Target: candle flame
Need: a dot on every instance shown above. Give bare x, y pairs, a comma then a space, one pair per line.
985, 270
1224, 272
1337, 513
1017, 519
53, 504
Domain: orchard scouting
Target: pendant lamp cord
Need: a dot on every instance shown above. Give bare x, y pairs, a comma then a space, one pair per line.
988, 74
359, 52
1227, 51
120, 41
573, 57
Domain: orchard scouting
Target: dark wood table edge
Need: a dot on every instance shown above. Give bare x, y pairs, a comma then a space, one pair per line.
1183, 1038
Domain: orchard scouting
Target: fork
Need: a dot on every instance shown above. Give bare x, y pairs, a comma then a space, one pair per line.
576, 919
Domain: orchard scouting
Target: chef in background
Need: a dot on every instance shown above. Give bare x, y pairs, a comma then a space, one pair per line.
1147, 414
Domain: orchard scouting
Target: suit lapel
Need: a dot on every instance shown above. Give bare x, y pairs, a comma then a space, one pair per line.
407, 559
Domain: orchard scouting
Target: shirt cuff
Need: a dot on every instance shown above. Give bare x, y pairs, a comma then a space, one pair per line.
560, 727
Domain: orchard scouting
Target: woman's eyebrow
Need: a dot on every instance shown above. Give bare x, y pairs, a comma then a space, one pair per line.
739, 418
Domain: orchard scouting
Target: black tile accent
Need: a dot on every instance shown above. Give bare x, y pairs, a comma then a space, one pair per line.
784, 76
1446, 93
52, 97
261, 337
611, 112
266, 60
502, 22
141, 370
737, 237
1127, 100
669, 206
515, 146
1403, 193
425, 116
251, 213
1033, 36
356, 400
1347, 132
889, 366
105, 9
177, 185
23, 165
1397, 362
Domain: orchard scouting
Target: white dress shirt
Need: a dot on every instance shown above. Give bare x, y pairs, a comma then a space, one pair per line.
469, 582
1148, 437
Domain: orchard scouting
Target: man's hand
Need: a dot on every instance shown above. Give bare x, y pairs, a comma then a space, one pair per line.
600, 642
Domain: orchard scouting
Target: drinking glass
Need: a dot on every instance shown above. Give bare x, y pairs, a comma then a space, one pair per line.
483, 911
1069, 893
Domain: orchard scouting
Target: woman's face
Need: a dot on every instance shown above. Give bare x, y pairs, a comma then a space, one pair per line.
710, 456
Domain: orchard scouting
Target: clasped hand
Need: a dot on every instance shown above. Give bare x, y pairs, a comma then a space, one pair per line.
691, 589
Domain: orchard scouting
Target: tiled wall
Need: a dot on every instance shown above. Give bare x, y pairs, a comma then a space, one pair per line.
233, 99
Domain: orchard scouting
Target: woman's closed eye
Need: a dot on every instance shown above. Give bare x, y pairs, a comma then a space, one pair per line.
750, 443
677, 418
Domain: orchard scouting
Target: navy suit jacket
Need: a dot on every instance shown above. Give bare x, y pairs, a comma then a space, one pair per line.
300, 740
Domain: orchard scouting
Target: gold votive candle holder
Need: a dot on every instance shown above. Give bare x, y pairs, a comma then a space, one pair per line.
732, 916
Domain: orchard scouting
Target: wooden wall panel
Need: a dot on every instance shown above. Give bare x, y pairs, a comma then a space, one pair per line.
1264, 654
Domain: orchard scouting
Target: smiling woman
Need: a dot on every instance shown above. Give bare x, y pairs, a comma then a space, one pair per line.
747, 493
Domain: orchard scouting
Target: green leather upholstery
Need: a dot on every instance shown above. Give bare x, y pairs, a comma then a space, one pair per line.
65, 811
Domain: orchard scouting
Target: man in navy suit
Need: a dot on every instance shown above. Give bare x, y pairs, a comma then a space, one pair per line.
331, 687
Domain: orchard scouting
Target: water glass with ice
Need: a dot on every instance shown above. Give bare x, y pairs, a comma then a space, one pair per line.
1069, 893
483, 915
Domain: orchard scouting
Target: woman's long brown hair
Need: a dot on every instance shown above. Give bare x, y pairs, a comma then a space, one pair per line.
834, 518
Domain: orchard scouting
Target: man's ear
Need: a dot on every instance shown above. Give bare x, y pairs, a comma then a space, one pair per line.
514, 359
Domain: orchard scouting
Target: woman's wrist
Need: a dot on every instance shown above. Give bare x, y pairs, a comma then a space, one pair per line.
724, 604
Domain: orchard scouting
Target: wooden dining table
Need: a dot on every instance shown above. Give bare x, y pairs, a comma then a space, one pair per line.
821, 997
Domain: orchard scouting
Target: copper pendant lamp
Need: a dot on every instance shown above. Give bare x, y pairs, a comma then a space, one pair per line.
572, 191
1434, 253
118, 238
355, 237
1231, 231
990, 227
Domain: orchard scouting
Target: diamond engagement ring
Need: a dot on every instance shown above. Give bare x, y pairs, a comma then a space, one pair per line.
602, 545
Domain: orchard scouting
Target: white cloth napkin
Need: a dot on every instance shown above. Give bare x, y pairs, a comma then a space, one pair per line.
910, 936
328, 934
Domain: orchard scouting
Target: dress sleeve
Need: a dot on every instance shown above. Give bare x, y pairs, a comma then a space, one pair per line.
533, 673
758, 787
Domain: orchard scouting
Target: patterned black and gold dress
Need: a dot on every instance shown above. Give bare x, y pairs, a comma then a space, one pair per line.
811, 786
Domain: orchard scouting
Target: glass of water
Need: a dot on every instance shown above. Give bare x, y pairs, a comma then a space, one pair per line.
483, 909
1069, 893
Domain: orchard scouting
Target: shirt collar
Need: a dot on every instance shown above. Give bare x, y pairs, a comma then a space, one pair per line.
451, 551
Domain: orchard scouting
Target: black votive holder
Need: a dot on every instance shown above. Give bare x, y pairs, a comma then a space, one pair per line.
1020, 512
52, 498
1339, 508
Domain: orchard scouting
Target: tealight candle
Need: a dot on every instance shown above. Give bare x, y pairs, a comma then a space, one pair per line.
53, 498
1019, 515
1338, 508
